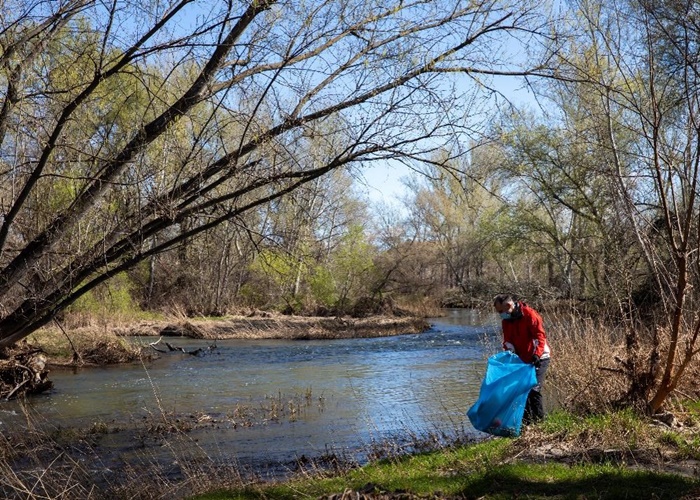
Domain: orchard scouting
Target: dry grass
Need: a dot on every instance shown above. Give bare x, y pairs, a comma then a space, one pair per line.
277, 326
586, 374
86, 346
43, 461
33, 466
423, 307
581, 351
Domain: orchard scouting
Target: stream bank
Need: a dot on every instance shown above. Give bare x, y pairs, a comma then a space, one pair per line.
270, 326
24, 368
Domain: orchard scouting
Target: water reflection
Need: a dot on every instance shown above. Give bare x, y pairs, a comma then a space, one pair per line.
346, 393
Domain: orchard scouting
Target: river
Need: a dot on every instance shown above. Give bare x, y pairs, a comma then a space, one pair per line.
262, 402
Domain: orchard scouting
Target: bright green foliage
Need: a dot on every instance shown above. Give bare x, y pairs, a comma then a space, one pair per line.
693, 409
334, 282
111, 299
618, 428
351, 266
281, 269
687, 446
323, 286
277, 266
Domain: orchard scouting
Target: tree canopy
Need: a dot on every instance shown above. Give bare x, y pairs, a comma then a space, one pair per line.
128, 128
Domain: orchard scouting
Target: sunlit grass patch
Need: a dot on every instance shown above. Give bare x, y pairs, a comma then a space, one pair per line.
614, 428
560, 421
423, 474
691, 408
478, 471
694, 405
620, 426
686, 446
442, 467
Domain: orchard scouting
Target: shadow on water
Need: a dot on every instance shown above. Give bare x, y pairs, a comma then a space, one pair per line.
266, 402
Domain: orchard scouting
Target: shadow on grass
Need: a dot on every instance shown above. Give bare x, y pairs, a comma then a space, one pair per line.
606, 485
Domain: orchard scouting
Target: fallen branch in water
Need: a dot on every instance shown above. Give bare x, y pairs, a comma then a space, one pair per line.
171, 348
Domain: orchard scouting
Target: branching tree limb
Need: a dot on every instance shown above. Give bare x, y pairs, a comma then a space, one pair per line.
142, 129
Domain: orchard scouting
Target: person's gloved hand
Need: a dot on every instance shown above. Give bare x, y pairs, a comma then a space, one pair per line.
536, 360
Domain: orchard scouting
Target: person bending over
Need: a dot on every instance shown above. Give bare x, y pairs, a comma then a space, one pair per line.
523, 334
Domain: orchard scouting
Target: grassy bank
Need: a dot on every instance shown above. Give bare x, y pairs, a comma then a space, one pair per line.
443, 476
613, 455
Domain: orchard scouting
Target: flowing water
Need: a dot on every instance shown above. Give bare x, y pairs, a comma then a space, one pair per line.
275, 401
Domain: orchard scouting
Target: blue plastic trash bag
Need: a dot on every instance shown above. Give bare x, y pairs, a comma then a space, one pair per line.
501, 404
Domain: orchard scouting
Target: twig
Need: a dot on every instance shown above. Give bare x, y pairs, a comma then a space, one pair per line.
510, 459
614, 370
77, 358
18, 387
154, 344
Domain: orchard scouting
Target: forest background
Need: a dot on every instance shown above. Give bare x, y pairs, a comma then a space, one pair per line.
182, 156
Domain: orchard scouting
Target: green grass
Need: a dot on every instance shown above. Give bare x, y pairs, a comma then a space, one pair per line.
693, 405
693, 409
560, 420
688, 447
478, 471
623, 428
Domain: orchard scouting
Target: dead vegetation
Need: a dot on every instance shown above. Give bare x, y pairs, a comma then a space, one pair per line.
593, 370
666, 443
23, 371
24, 368
85, 347
268, 326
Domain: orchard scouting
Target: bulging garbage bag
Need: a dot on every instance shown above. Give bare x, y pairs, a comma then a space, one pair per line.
501, 404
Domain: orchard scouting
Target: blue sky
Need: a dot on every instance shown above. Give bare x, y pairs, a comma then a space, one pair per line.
383, 181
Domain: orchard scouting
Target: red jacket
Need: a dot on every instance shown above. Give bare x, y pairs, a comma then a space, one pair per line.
526, 334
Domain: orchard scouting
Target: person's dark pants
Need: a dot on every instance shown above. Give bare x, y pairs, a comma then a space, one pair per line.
534, 407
